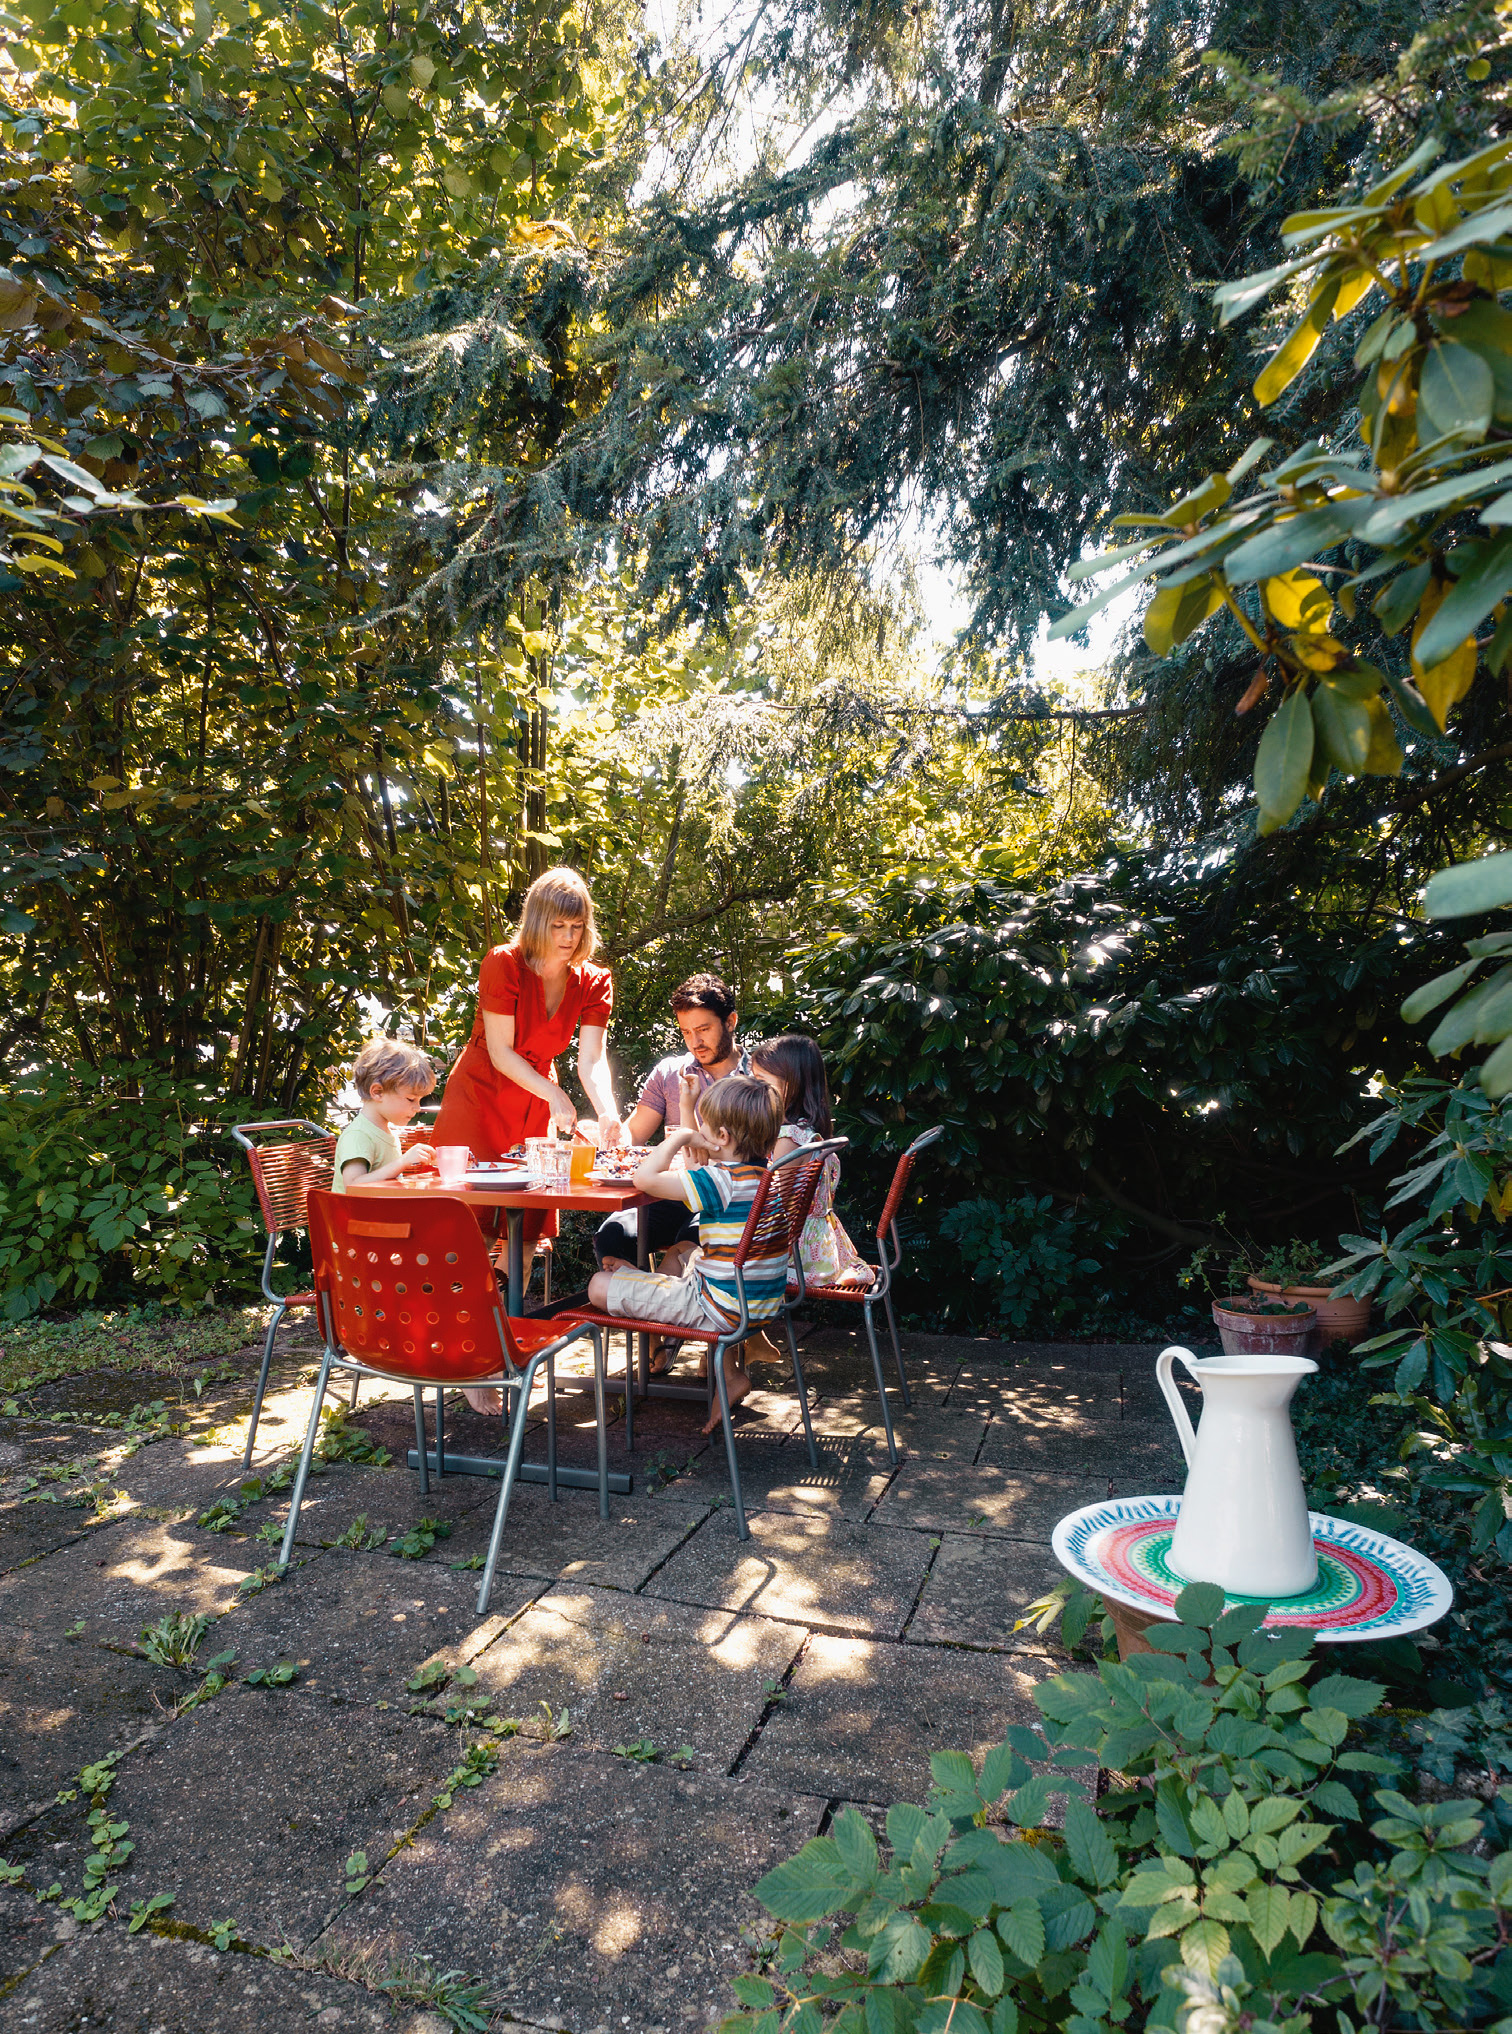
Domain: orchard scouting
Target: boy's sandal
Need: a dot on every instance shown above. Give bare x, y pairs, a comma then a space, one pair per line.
662, 1353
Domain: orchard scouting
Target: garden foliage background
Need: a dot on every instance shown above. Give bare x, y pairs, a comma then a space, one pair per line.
444, 441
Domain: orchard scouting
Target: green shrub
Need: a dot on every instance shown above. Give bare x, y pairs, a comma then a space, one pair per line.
1240, 1866
117, 1182
1031, 1257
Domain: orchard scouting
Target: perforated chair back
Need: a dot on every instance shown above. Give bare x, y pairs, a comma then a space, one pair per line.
285, 1174
405, 1285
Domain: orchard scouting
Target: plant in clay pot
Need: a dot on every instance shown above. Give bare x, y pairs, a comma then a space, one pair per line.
1256, 1324
1293, 1271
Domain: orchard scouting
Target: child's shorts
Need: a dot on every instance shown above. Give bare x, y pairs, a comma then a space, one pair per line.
653, 1296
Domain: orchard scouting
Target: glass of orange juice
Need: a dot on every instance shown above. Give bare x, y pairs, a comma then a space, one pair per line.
583, 1156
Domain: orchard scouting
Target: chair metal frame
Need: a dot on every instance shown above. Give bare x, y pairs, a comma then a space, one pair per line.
888, 1239
515, 1375
809, 1161
277, 1221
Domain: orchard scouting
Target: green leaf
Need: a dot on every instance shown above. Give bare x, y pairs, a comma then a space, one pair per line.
1284, 759
1496, 1074
1298, 347
1089, 1846
806, 1887
1455, 393
1470, 888
1343, 728
1269, 1912
856, 1845
1426, 999
1027, 1807
1397, 602
1022, 1927
1467, 603
986, 1961
1204, 1946
1343, 1691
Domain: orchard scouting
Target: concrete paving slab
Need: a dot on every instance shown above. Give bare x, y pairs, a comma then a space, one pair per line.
1129, 1452
124, 1577
861, 1719
605, 1892
632, 1668
977, 1587
252, 1804
809, 1570
63, 1704
28, 1531
942, 1434
992, 1388
386, 1500
983, 1497
775, 1475
359, 1624
153, 1984
569, 1541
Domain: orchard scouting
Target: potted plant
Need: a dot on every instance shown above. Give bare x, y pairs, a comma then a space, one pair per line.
1258, 1324
1290, 1272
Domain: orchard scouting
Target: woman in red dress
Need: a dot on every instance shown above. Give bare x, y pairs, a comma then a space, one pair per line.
532, 996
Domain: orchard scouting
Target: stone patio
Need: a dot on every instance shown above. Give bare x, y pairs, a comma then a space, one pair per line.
681, 1709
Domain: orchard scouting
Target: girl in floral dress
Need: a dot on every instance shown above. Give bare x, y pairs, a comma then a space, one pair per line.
794, 1067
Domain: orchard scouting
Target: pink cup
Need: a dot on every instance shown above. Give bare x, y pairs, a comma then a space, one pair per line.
451, 1163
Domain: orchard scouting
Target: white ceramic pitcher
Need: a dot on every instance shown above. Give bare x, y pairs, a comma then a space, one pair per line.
1243, 1522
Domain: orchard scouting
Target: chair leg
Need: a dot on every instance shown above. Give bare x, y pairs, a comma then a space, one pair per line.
511, 1470
551, 1459
629, 1394
598, 1416
356, 1384
306, 1453
892, 1329
440, 1435
876, 1357
716, 1364
420, 1440
546, 1278
808, 1424
262, 1381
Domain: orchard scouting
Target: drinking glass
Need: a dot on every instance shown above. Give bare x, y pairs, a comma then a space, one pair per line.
451, 1163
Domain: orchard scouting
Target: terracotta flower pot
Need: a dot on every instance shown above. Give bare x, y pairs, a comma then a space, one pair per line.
1246, 1333
1339, 1320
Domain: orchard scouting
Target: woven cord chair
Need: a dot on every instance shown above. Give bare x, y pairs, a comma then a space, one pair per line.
792, 1182
283, 1174
405, 1291
889, 1257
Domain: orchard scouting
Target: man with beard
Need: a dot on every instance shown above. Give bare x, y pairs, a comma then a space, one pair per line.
704, 1007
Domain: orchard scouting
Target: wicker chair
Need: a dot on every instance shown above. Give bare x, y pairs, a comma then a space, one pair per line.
283, 1173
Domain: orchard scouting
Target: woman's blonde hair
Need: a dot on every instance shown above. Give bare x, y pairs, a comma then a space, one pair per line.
747, 1111
560, 893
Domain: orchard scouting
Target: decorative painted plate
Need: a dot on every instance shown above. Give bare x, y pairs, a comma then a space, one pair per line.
1368, 1587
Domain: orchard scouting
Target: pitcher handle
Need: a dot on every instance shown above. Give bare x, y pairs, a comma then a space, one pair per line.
1164, 1368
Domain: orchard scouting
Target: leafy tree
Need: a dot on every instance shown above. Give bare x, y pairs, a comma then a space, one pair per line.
294, 262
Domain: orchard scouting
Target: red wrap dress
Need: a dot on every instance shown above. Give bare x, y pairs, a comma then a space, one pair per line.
485, 1109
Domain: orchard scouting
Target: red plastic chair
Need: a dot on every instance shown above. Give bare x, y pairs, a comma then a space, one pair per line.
404, 1290
791, 1183
881, 1286
283, 1175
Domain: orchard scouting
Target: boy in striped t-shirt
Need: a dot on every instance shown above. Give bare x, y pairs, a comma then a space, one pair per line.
739, 1120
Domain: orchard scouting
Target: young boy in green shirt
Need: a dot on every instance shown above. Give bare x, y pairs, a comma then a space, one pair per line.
393, 1079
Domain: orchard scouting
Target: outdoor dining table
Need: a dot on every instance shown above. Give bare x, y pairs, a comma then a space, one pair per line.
488, 1203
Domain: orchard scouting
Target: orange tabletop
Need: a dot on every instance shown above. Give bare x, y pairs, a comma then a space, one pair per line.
589, 1196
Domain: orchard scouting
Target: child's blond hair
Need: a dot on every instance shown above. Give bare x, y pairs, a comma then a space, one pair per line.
748, 1111
560, 893
389, 1063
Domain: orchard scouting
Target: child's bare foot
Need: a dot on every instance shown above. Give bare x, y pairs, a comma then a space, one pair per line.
661, 1356
739, 1384
486, 1400
616, 1264
762, 1349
